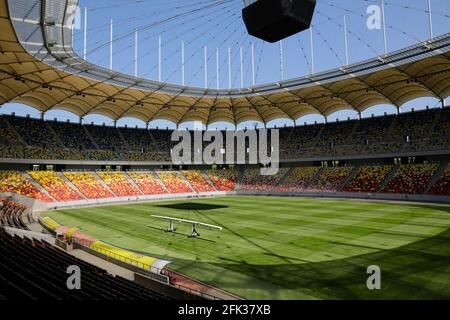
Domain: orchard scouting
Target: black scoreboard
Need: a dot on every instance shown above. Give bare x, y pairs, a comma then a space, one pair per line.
274, 20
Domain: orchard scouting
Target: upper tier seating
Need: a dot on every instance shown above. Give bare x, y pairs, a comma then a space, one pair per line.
31, 269
55, 185
442, 186
14, 182
106, 138
174, 182
368, 179
223, 180
147, 182
73, 135
119, 184
426, 131
35, 132
411, 179
197, 181
88, 185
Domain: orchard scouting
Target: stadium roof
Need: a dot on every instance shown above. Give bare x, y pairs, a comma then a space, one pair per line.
39, 67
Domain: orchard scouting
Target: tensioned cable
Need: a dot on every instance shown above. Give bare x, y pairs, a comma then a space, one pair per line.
149, 95
154, 24
212, 54
127, 20
156, 34
433, 13
190, 42
148, 53
353, 34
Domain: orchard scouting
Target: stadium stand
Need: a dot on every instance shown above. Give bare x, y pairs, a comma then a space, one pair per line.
147, 182
368, 179
197, 181
174, 182
411, 179
55, 185
14, 182
298, 179
223, 180
73, 135
88, 185
32, 269
119, 184
254, 181
378, 135
442, 186
331, 179
11, 214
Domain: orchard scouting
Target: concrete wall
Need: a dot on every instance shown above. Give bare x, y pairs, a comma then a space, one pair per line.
128, 200
352, 195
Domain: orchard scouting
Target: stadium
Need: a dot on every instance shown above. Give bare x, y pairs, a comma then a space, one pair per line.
358, 208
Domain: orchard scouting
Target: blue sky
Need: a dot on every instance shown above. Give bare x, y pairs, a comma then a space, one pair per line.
220, 26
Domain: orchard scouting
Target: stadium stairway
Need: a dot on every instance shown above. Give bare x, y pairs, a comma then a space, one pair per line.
13, 130
70, 184
319, 136
435, 123
187, 181
208, 179
124, 141
437, 175
388, 178
239, 178
37, 185
283, 178
53, 132
103, 183
159, 180
350, 177
133, 183
315, 178
88, 134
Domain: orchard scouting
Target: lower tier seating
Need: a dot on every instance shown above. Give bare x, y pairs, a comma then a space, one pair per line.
298, 179
331, 179
223, 180
174, 182
368, 179
442, 186
254, 180
11, 214
55, 185
197, 181
31, 269
14, 182
88, 185
404, 179
147, 182
119, 184
411, 179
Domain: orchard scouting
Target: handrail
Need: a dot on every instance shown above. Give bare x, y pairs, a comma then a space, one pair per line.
143, 266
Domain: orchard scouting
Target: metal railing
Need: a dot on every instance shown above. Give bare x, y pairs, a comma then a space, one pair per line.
145, 267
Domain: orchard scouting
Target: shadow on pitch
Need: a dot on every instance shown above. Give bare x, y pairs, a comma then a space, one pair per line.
192, 206
402, 273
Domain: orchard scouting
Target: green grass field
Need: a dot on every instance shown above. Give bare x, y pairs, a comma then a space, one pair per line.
289, 248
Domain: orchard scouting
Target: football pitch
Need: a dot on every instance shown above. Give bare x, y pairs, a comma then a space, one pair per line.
288, 248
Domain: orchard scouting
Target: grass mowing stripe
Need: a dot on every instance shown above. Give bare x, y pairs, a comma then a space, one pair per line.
288, 248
